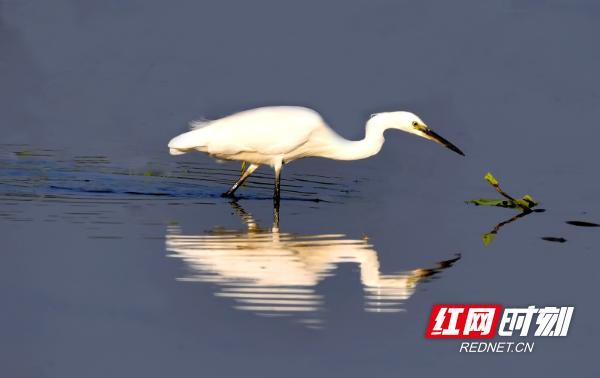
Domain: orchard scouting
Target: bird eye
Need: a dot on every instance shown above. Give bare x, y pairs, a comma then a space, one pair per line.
415, 124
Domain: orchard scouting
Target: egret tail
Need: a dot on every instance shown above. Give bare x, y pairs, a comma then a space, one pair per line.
186, 142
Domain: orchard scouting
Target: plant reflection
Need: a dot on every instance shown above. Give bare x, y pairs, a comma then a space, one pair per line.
489, 236
275, 273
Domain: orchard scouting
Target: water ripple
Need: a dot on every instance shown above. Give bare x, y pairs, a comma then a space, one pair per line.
42, 174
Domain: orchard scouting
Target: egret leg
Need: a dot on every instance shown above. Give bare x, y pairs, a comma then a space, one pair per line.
245, 175
276, 193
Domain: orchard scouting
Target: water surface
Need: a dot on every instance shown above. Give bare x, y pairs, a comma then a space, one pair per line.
120, 260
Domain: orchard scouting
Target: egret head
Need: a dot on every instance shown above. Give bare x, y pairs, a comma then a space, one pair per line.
411, 123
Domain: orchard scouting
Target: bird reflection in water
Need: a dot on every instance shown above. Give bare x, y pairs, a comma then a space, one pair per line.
275, 273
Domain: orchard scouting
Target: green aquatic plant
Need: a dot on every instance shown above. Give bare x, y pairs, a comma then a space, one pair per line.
23, 153
524, 204
152, 171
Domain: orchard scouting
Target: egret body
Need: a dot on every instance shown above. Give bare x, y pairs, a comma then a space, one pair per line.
278, 135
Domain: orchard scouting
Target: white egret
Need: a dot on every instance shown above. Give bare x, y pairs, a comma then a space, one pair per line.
278, 135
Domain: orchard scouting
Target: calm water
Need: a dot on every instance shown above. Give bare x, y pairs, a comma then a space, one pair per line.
120, 260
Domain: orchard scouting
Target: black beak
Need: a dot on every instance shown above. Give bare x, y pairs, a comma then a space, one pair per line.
438, 139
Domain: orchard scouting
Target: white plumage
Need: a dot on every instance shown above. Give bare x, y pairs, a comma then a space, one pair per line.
260, 136
278, 135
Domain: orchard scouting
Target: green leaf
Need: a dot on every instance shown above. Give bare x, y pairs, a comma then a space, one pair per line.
491, 179
488, 238
492, 202
525, 204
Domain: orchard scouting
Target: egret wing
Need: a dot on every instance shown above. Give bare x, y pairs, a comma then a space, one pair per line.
268, 131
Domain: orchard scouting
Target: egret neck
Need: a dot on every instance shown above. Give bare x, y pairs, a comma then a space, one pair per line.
343, 149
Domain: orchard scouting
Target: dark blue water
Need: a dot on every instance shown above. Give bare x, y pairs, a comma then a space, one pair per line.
120, 260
